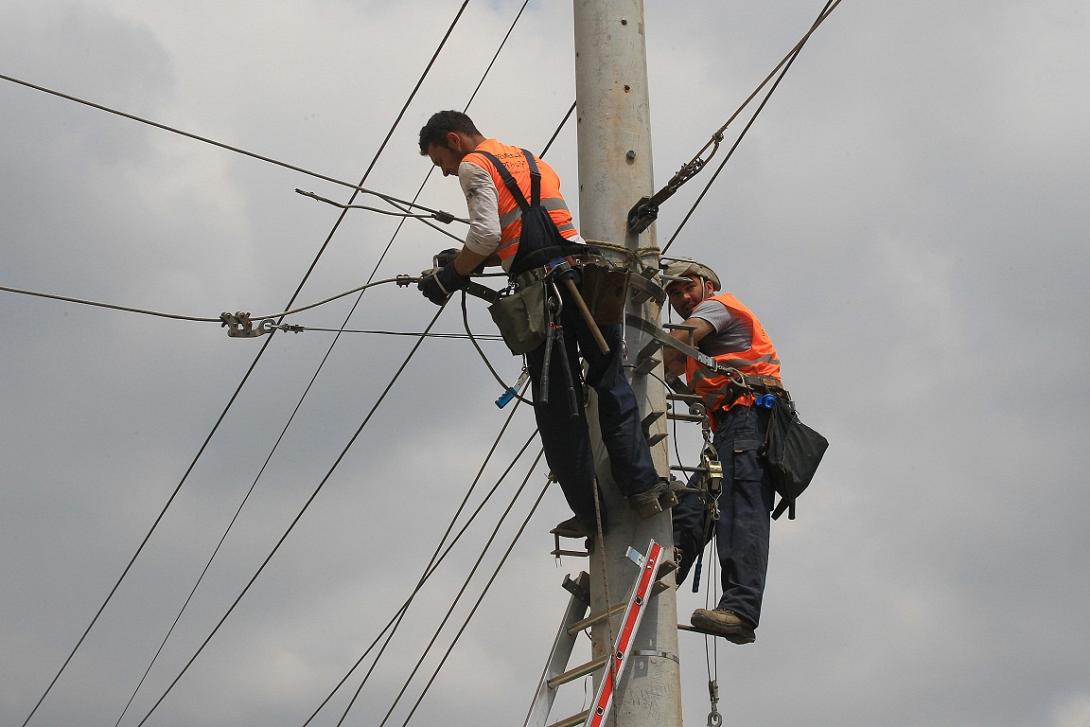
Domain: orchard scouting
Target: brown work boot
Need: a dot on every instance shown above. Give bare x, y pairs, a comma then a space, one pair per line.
727, 624
651, 502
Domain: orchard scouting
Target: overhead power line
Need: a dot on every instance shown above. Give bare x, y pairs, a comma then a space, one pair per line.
465, 585
296, 519
403, 280
477, 604
434, 562
439, 215
829, 7
253, 364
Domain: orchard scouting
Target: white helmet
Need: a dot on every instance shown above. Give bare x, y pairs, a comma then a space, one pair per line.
682, 268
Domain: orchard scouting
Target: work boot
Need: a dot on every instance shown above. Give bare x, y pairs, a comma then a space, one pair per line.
574, 527
651, 502
727, 624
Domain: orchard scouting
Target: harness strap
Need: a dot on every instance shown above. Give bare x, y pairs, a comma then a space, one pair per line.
512, 185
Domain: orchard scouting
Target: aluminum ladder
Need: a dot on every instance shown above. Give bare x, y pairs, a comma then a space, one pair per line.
647, 583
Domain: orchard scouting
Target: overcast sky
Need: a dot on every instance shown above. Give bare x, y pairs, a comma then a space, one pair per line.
908, 218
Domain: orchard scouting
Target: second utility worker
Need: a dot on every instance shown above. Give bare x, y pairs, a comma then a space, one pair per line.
725, 329
505, 186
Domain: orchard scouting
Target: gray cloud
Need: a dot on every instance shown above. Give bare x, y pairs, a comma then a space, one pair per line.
906, 217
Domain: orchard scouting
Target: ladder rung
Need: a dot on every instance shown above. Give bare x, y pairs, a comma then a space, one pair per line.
573, 720
685, 417
571, 553
580, 671
599, 616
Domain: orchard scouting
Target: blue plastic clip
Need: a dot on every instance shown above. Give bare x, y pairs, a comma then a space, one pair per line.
512, 391
766, 401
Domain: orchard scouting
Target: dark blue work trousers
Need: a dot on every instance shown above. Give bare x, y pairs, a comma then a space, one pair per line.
564, 433
744, 506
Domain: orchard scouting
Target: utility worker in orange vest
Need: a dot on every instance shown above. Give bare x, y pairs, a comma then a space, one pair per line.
518, 219
726, 330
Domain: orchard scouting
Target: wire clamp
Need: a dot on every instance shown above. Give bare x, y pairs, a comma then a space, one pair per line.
403, 280
239, 325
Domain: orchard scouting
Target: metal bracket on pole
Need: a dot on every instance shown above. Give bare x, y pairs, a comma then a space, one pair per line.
644, 289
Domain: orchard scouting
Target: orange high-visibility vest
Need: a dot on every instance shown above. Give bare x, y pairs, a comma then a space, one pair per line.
510, 213
760, 358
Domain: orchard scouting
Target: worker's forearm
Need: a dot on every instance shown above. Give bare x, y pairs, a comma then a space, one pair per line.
467, 261
674, 361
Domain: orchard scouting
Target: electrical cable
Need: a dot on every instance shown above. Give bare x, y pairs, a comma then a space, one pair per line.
336, 226
296, 519
480, 351
829, 7
355, 305
557, 132
476, 605
431, 567
403, 280
358, 188
491, 337
454, 602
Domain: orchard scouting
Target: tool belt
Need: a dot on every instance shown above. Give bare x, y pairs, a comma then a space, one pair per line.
764, 384
521, 314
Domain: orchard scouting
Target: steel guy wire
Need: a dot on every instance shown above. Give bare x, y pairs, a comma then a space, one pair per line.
296, 519
691, 168
434, 563
358, 188
717, 137
829, 7
456, 600
480, 598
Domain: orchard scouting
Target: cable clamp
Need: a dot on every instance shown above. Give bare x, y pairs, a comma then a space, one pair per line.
239, 325
404, 280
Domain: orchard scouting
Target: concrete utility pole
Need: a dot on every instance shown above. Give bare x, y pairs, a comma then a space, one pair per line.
614, 173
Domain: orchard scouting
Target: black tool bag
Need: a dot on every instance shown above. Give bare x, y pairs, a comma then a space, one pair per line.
793, 452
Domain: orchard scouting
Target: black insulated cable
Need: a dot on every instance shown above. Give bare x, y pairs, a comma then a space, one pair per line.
253, 364
294, 521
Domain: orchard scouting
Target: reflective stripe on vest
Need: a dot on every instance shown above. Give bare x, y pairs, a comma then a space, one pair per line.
760, 359
509, 211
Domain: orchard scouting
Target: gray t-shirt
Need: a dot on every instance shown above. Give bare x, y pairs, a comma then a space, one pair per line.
731, 334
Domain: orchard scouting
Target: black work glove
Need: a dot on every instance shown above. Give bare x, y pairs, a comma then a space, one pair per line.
445, 257
438, 286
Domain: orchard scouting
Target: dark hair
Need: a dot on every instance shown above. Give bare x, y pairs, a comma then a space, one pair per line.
442, 122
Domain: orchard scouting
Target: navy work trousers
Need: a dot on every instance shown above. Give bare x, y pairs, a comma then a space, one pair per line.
743, 528
566, 438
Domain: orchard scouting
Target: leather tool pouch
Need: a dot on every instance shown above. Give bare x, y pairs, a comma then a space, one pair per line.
605, 289
521, 317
